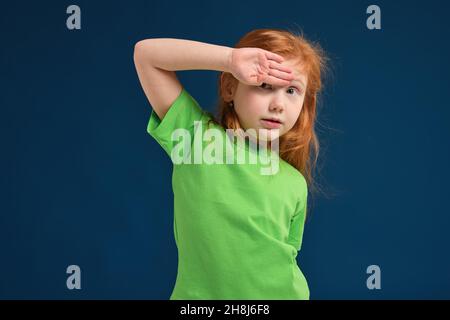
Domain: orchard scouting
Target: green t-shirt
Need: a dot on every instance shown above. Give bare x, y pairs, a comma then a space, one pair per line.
237, 231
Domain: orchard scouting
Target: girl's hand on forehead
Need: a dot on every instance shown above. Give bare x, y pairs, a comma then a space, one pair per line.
254, 66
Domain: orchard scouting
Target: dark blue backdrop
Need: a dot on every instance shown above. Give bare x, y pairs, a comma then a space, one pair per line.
83, 183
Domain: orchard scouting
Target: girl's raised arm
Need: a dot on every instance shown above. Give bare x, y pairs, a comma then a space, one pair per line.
157, 59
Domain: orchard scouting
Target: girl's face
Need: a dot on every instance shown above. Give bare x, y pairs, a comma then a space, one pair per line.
255, 103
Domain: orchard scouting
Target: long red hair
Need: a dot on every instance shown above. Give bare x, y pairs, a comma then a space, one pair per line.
300, 145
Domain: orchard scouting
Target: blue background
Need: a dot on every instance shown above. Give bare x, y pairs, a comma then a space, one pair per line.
83, 183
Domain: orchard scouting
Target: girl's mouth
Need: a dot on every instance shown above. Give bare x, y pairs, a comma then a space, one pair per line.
270, 124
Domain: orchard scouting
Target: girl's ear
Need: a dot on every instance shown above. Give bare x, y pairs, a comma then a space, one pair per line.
227, 86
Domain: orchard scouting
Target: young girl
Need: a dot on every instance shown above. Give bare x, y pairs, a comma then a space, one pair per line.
237, 231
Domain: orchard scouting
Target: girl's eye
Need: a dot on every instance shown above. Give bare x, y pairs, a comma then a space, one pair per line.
295, 89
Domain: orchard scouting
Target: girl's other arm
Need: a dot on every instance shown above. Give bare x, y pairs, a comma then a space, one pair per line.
157, 59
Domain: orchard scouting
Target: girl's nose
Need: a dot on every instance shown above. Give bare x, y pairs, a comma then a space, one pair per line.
276, 105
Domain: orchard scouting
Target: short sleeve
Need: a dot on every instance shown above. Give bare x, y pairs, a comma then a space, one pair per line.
297, 225
182, 114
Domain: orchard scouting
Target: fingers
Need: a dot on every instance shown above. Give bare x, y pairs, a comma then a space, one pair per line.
280, 67
274, 56
281, 75
276, 81
281, 72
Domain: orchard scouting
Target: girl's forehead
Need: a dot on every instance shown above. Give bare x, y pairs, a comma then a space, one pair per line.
298, 69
